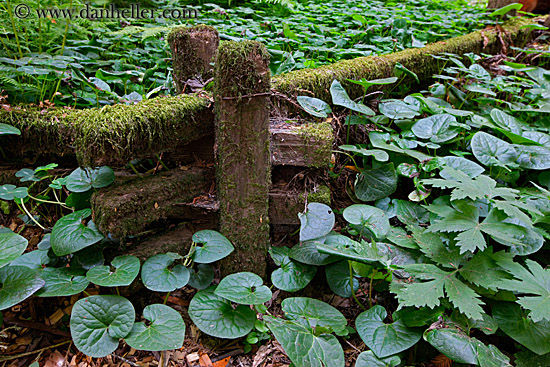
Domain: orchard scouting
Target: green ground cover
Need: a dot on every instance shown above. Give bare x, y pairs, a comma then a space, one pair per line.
94, 62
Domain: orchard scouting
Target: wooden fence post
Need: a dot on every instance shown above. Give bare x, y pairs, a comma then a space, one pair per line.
243, 175
193, 49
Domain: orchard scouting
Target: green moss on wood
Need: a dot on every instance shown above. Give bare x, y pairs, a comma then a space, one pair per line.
192, 51
318, 139
243, 159
132, 207
115, 133
320, 195
419, 60
232, 63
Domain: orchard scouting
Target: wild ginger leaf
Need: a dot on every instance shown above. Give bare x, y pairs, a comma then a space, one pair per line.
533, 280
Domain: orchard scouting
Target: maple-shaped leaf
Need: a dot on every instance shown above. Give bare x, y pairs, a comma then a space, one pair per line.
474, 188
463, 218
513, 209
433, 247
483, 270
440, 282
533, 280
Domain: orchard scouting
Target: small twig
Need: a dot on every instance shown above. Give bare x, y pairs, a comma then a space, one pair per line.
125, 360
249, 95
232, 353
67, 355
36, 326
286, 98
9, 358
353, 346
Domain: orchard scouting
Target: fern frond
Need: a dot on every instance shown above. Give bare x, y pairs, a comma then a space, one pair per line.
127, 31
153, 32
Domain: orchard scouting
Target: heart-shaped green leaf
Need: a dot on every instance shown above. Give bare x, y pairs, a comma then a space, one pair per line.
340, 97
98, 322
165, 331
17, 283
378, 154
314, 106
12, 246
506, 121
347, 248
159, 274
316, 222
467, 166
34, 260
533, 157
82, 180
377, 183
367, 83
316, 313
6, 129
70, 235
10, 192
438, 128
492, 151
307, 253
88, 258
202, 277
216, 316
215, 246
126, 270
368, 359
304, 347
514, 322
385, 339
292, 275
62, 282
244, 288
369, 218
398, 110
453, 343
338, 278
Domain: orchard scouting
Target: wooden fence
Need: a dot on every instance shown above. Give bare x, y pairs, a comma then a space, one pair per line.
238, 158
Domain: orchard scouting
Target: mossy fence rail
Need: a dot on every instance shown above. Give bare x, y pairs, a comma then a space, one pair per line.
233, 130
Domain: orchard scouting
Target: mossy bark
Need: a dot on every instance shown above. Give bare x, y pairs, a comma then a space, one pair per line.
193, 49
242, 84
420, 60
111, 135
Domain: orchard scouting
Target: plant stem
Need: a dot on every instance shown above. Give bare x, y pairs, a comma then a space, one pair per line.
166, 298
30, 215
370, 289
10, 12
353, 290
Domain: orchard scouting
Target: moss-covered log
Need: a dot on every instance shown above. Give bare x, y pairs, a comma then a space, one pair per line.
420, 60
193, 49
110, 135
243, 174
133, 207
136, 205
